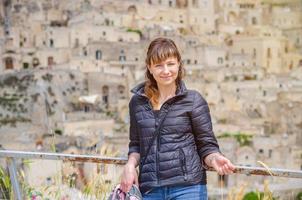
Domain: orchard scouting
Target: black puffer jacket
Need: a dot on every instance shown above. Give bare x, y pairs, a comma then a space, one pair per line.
185, 138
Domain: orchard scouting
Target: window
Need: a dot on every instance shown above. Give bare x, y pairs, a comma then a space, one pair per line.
121, 91
269, 53
9, 63
36, 62
220, 60
51, 42
260, 150
50, 61
254, 53
86, 108
107, 22
105, 95
170, 3
270, 152
98, 55
76, 42
122, 58
25, 65
254, 20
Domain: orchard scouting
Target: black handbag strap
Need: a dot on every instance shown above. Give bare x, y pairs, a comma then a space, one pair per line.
156, 133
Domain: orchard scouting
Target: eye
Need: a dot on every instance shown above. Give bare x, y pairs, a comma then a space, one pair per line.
157, 66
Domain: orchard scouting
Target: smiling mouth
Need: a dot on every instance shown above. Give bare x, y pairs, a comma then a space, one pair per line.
166, 77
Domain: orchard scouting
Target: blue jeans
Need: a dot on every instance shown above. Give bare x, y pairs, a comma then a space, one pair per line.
192, 192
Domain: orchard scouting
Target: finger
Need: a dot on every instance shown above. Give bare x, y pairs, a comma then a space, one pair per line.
136, 181
227, 169
223, 169
220, 171
230, 165
122, 186
125, 188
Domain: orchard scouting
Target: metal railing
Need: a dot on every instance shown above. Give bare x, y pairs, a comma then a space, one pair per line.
11, 157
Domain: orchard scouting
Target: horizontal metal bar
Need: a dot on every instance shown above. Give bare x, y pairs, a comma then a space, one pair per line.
248, 170
61, 156
261, 171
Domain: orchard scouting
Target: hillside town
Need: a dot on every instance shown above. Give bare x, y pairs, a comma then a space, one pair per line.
67, 68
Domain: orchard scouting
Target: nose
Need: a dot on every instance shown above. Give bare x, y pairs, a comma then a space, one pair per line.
166, 69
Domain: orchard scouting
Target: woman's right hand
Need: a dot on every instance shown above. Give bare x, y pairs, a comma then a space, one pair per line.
129, 177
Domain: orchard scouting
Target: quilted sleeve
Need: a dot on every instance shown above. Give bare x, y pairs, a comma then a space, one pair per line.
134, 144
202, 128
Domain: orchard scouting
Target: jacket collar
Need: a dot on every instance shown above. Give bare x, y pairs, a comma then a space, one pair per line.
139, 89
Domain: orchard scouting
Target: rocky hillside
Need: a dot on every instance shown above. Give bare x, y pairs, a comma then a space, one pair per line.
36, 96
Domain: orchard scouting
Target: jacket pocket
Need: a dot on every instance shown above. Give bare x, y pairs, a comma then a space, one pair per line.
182, 158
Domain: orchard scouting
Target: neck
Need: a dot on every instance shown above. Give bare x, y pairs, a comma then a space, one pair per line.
166, 92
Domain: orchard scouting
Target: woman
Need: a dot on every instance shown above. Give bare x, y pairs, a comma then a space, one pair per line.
171, 137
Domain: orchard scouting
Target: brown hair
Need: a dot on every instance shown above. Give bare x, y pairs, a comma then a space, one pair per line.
158, 51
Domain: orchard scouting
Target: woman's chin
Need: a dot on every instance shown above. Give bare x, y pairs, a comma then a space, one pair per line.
166, 82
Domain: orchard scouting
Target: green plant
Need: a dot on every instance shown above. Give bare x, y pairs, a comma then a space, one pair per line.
299, 196
256, 195
135, 31
5, 185
253, 196
242, 138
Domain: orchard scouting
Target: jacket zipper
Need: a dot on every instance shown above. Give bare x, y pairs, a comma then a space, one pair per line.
158, 138
183, 164
158, 143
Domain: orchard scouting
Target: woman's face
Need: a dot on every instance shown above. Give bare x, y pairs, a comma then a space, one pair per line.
166, 72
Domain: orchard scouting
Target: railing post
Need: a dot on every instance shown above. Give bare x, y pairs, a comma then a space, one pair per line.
11, 163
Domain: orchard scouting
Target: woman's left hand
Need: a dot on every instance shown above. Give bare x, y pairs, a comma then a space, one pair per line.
221, 164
